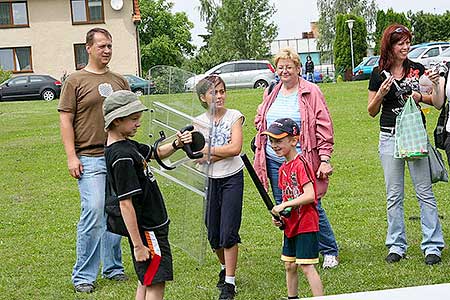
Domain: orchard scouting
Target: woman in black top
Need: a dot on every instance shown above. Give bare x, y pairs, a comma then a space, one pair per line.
390, 85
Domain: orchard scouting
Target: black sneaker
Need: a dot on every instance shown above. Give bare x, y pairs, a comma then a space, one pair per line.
84, 288
432, 259
119, 277
221, 281
227, 292
393, 258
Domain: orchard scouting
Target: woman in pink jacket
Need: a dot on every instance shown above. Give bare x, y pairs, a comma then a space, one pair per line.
302, 101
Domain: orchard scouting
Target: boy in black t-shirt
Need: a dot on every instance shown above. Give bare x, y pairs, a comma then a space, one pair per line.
141, 203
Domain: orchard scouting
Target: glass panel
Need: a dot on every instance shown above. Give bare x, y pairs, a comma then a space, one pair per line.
81, 56
23, 59
20, 80
95, 10
6, 59
227, 68
36, 79
5, 18
20, 13
79, 11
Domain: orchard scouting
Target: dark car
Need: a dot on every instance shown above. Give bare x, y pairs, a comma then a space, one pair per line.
318, 77
30, 87
139, 85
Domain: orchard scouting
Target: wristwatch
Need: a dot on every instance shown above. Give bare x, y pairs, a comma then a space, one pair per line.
325, 161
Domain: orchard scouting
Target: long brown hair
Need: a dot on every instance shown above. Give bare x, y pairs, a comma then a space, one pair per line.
392, 35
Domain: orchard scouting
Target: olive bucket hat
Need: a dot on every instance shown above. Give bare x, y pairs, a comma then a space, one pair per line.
121, 104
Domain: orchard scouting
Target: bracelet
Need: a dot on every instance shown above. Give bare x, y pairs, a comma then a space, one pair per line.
325, 161
174, 145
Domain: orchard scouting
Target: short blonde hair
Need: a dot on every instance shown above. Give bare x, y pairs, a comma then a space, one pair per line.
287, 53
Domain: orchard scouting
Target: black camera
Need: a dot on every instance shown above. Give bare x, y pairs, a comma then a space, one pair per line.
440, 68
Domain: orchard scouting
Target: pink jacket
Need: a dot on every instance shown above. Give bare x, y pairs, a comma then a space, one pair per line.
316, 132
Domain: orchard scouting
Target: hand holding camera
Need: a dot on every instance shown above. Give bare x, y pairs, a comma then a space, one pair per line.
440, 68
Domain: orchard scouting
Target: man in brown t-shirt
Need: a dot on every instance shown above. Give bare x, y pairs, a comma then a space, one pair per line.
82, 132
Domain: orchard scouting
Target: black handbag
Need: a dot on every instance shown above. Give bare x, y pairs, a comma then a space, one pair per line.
114, 220
440, 133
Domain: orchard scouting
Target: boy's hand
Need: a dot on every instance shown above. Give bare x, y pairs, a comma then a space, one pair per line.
141, 253
183, 138
276, 223
277, 209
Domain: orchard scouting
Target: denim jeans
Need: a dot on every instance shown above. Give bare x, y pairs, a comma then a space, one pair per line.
394, 177
94, 243
327, 240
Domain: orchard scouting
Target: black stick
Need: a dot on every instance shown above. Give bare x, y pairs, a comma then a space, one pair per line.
259, 186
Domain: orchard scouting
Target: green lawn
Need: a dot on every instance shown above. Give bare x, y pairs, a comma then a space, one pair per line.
40, 208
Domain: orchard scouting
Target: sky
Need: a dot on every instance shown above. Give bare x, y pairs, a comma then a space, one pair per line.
294, 16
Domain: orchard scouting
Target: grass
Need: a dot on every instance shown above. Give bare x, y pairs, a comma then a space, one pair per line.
39, 209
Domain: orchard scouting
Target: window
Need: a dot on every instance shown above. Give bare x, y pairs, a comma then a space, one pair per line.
226, 69
16, 59
81, 56
13, 14
245, 67
34, 79
18, 81
87, 11
432, 52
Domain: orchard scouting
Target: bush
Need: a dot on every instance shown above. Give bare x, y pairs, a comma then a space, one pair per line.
4, 75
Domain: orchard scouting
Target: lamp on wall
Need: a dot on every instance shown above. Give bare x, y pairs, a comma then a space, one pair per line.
116, 4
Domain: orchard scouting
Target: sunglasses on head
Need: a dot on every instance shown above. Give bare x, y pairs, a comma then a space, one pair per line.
401, 30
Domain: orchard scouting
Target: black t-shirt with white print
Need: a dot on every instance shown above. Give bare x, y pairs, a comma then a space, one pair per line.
130, 176
393, 105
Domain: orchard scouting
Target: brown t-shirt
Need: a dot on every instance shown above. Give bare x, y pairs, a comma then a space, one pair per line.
83, 94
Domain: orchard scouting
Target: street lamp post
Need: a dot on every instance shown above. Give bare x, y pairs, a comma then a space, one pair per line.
350, 26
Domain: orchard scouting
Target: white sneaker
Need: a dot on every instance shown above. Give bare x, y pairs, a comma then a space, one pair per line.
329, 261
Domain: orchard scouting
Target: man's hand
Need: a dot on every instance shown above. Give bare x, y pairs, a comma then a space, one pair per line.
141, 253
75, 167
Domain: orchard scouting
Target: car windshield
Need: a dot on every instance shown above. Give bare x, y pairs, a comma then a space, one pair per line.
416, 52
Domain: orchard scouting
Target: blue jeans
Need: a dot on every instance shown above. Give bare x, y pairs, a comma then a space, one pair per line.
394, 177
94, 243
327, 241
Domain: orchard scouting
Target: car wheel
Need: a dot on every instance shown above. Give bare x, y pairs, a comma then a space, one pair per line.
48, 95
261, 84
139, 92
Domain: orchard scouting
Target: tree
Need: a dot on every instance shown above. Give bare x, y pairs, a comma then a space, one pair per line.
384, 19
238, 29
430, 27
164, 37
342, 49
329, 9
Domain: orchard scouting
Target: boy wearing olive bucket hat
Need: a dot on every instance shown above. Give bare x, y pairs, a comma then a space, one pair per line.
141, 203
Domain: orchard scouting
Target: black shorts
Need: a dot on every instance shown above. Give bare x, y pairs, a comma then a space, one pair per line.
303, 249
158, 268
224, 210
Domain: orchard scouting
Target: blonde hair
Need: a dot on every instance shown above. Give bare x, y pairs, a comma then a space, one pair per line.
287, 53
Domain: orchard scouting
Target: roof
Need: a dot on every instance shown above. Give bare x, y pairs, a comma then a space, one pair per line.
136, 12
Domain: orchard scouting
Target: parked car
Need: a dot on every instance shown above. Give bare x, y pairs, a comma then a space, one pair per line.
444, 57
365, 68
140, 86
426, 54
30, 87
318, 77
426, 44
239, 74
